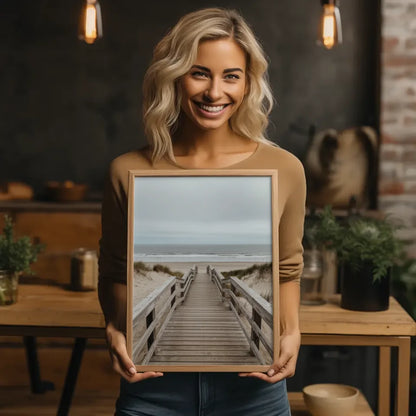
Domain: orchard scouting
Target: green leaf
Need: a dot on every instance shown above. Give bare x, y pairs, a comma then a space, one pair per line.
16, 255
357, 240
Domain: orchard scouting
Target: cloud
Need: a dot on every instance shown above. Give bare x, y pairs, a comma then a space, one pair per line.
227, 210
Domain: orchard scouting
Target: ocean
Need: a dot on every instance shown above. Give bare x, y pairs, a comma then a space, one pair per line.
247, 253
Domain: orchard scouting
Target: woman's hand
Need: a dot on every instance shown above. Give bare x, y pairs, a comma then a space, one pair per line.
286, 364
122, 363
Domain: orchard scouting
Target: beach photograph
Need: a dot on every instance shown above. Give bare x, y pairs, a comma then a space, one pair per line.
202, 281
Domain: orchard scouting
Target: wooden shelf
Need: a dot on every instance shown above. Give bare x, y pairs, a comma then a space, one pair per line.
298, 407
49, 206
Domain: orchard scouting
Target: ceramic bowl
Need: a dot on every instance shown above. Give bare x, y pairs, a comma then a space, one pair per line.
67, 191
330, 399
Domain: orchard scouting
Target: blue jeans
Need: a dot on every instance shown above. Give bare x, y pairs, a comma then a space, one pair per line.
202, 394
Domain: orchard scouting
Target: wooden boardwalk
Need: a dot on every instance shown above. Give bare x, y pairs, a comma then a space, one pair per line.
203, 331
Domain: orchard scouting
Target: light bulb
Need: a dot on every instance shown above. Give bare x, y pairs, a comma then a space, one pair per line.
328, 26
330, 32
91, 23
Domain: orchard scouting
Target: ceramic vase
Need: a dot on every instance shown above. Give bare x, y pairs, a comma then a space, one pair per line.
360, 292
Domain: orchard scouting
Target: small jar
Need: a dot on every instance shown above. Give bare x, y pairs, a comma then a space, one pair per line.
84, 269
8, 287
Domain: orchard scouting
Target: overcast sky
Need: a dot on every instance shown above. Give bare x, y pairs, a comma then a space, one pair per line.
202, 210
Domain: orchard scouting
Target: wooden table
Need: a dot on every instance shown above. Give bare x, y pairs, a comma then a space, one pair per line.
329, 324
53, 311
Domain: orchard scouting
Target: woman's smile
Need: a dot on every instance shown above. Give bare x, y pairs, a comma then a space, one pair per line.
210, 110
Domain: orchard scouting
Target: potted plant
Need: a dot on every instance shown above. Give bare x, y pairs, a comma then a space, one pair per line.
367, 249
16, 256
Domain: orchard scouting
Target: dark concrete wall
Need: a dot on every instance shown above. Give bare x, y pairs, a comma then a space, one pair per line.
68, 108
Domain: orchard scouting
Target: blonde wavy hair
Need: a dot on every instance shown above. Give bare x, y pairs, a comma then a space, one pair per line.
174, 56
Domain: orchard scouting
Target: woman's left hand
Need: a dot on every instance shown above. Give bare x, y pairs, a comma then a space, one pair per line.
286, 364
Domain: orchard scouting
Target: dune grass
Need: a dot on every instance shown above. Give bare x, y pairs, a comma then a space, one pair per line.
262, 269
141, 268
164, 269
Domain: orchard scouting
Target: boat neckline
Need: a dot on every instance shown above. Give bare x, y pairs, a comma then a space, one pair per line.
252, 155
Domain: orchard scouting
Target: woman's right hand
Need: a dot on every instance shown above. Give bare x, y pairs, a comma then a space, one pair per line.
122, 363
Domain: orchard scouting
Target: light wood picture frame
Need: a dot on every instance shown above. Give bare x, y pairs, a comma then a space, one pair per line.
203, 270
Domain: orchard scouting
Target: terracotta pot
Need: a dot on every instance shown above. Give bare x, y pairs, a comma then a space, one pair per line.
359, 292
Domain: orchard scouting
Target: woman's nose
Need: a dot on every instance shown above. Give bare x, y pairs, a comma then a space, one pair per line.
213, 93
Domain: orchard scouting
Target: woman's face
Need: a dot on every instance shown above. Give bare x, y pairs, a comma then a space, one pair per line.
215, 86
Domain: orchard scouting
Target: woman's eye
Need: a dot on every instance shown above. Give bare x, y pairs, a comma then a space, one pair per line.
199, 74
232, 76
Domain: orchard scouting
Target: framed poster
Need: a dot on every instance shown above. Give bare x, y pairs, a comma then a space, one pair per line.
203, 283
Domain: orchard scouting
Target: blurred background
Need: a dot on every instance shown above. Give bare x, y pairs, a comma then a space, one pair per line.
67, 108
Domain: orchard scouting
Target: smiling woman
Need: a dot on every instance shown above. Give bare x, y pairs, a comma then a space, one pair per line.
206, 105
210, 45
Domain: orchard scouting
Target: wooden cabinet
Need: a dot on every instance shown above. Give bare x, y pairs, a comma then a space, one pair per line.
61, 227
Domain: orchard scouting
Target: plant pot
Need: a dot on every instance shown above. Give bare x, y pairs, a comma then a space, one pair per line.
359, 292
8, 287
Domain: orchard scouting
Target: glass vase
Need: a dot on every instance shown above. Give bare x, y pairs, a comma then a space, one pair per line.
8, 287
311, 280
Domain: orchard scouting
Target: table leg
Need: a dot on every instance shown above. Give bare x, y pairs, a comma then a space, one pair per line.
403, 377
384, 376
37, 385
71, 376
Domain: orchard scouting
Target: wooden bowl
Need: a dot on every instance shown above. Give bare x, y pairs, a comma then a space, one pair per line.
330, 399
67, 191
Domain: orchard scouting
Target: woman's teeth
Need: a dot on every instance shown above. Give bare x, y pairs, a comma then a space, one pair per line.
211, 108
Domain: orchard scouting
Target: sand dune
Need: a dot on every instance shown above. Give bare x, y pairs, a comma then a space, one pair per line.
145, 282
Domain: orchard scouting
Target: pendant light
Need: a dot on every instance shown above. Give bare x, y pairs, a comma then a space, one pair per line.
330, 32
91, 25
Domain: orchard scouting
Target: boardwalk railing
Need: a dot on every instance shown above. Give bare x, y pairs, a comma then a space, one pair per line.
222, 284
157, 309
232, 291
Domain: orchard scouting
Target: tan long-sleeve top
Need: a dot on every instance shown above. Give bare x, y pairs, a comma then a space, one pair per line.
291, 208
